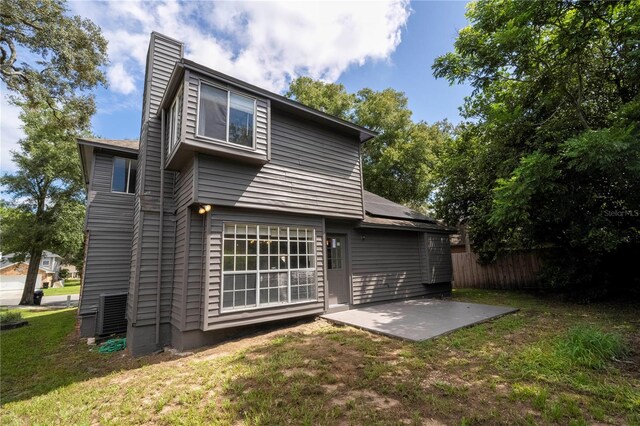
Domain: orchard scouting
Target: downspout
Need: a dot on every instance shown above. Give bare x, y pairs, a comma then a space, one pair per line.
159, 279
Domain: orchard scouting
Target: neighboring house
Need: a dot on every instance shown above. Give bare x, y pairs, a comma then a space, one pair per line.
13, 274
73, 271
239, 207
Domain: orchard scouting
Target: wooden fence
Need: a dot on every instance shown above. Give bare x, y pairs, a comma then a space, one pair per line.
511, 271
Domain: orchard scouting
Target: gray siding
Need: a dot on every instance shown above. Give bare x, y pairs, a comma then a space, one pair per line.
262, 122
213, 318
144, 279
184, 186
109, 225
386, 265
312, 170
440, 269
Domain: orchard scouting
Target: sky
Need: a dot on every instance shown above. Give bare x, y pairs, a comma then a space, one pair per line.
375, 44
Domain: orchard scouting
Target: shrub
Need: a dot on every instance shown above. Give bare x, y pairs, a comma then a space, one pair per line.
10, 316
589, 346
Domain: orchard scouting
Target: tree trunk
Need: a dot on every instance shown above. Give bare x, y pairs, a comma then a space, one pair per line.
32, 276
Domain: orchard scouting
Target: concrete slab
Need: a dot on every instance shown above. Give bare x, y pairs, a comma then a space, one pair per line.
418, 320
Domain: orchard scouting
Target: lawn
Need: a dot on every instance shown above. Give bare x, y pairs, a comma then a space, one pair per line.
71, 286
549, 363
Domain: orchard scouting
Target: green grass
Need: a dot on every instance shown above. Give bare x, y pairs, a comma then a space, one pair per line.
71, 286
549, 363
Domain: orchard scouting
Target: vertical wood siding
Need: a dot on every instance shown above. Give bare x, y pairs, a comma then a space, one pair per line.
312, 170
109, 222
511, 271
213, 318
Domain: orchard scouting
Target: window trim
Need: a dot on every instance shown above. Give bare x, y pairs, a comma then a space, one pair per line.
172, 117
229, 91
113, 172
257, 271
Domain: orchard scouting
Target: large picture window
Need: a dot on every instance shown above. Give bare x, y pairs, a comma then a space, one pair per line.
267, 265
226, 116
124, 175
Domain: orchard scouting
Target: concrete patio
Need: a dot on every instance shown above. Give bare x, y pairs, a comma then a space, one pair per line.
418, 320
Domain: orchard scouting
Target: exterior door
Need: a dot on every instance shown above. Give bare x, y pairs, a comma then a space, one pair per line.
336, 246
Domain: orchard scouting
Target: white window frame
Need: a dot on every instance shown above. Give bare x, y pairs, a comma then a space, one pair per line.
258, 271
255, 113
113, 171
173, 138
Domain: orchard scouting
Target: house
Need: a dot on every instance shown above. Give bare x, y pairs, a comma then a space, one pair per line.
238, 207
13, 273
71, 270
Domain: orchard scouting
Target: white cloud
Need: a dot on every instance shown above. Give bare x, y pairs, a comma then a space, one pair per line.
120, 80
10, 132
265, 43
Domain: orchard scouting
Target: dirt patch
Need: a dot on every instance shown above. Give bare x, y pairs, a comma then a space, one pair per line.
376, 400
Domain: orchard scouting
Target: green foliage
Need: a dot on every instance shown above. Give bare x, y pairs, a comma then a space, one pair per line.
48, 57
550, 156
588, 346
398, 164
47, 208
10, 316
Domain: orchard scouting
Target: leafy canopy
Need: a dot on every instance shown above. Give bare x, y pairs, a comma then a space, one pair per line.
48, 57
550, 155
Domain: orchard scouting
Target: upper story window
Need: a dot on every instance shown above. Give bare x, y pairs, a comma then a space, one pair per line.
174, 120
124, 175
45, 262
226, 116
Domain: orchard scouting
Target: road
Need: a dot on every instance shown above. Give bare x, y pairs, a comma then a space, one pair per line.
12, 298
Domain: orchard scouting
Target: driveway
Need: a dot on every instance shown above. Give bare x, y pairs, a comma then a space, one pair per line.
420, 319
12, 298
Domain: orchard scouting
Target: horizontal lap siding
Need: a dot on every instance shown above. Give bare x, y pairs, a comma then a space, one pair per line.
109, 223
439, 258
145, 288
195, 265
179, 269
386, 265
183, 189
261, 120
216, 320
312, 170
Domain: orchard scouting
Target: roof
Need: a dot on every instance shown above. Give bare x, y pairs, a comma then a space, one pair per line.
383, 213
127, 145
277, 100
376, 205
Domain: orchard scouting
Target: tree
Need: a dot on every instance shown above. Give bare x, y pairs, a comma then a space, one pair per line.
397, 164
47, 211
550, 155
64, 54
50, 62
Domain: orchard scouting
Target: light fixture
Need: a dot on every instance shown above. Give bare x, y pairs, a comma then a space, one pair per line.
204, 208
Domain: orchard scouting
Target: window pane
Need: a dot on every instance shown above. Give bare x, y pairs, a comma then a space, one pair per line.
228, 283
241, 120
119, 179
212, 119
241, 264
264, 262
227, 301
228, 263
241, 247
228, 246
251, 263
131, 185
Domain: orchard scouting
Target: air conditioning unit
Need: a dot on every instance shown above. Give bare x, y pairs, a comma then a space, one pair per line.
112, 314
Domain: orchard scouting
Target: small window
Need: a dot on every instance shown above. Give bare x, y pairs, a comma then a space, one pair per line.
45, 262
226, 116
174, 121
124, 175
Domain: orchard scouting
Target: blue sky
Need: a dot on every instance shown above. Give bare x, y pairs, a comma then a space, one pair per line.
360, 44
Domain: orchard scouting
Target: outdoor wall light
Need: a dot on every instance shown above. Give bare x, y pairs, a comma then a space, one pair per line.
204, 208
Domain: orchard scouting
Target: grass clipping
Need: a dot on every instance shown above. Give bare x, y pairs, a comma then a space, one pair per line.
588, 346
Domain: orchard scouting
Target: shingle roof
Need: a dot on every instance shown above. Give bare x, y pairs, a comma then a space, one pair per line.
375, 205
127, 144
